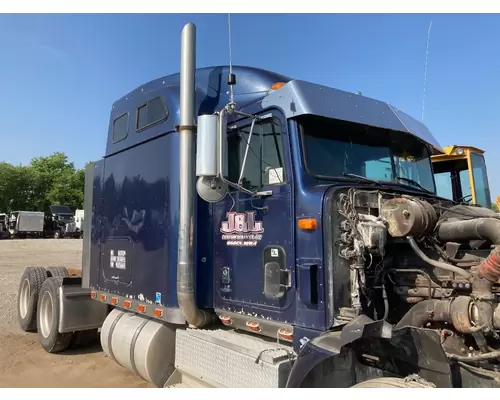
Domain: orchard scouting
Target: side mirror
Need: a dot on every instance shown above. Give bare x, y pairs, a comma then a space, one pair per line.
207, 146
211, 160
210, 186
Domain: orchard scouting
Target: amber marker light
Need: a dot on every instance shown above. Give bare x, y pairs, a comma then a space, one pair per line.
226, 320
307, 224
277, 85
158, 312
286, 334
253, 326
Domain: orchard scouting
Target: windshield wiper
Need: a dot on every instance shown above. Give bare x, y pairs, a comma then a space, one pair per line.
413, 182
360, 177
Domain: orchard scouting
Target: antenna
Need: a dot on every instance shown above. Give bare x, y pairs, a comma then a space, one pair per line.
425, 69
231, 79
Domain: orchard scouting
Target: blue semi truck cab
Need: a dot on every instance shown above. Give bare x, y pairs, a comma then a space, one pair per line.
246, 229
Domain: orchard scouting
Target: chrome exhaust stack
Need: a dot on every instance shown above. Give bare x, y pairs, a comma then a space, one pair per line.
185, 253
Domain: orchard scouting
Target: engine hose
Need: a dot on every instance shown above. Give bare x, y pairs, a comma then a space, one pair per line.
465, 263
386, 303
426, 311
437, 264
480, 357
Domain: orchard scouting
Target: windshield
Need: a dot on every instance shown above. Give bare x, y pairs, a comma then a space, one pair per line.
480, 180
335, 148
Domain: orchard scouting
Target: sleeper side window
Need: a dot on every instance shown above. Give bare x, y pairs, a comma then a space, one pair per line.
120, 128
265, 163
151, 113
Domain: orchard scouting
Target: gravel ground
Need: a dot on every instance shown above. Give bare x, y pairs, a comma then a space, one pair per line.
23, 363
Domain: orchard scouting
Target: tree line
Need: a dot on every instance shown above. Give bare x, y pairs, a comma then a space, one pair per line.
46, 181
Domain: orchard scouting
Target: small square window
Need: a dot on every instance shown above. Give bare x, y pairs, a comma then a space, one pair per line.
120, 128
141, 116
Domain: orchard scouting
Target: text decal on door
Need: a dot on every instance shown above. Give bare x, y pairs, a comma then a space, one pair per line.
241, 229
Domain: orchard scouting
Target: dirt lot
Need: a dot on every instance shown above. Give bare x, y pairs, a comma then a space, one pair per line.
23, 363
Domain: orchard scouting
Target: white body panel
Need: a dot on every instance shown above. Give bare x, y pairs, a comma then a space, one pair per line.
79, 216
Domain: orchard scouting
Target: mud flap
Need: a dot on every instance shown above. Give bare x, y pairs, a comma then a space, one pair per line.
78, 311
400, 352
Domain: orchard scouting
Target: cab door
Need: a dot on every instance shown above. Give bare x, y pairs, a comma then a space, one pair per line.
253, 238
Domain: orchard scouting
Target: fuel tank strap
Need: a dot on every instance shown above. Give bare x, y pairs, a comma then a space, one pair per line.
111, 330
132, 345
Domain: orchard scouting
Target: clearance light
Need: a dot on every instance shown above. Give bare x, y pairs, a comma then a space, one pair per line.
103, 297
277, 85
307, 224
459, 151
93, 294
114, 300
285, 334
253, 326
127, 303
226, 320
158, 312
141, 308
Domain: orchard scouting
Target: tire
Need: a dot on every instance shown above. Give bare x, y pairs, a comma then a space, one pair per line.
57, 272
27, 297
57, 235
48, 318
391, 383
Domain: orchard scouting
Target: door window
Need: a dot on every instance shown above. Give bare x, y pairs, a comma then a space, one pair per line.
444, 185
264, 165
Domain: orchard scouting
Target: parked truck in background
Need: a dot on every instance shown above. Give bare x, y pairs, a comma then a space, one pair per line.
311, 251
4, 232
23, 224
460, 173
79, 218
60, 222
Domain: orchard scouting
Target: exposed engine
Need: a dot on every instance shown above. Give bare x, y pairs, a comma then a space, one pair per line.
423, 263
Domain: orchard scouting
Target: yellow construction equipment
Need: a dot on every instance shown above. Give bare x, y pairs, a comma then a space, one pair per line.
460, 173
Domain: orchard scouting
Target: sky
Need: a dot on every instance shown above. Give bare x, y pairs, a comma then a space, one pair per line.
60, 74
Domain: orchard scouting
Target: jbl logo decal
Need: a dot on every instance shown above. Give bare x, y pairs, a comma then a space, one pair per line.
241, 229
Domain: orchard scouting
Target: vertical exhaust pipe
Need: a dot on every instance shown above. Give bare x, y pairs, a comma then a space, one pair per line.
185, 253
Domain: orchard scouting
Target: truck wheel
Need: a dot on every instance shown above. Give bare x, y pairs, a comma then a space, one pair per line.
57, 234
27, 297
58, 272
393, 383
48, 317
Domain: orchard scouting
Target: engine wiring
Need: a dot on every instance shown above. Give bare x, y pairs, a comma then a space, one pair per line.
355, 252
371, 269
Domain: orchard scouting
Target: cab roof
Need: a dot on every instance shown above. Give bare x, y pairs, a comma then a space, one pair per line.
253, 87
